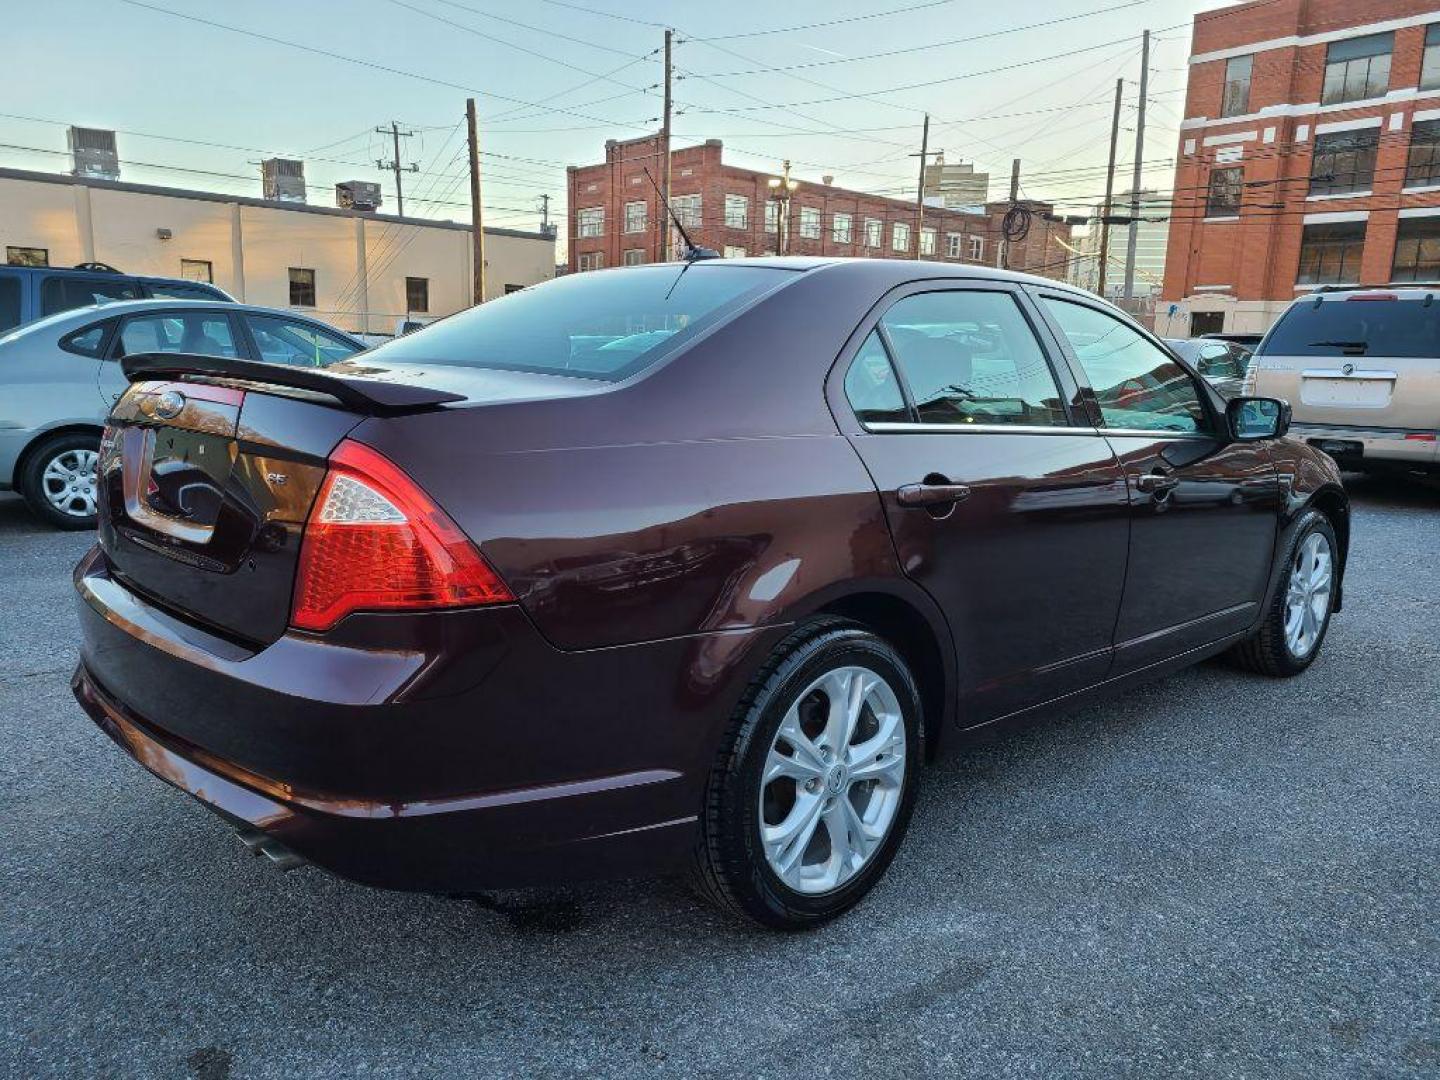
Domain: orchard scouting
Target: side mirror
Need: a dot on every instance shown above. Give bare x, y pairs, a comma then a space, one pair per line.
1252, 418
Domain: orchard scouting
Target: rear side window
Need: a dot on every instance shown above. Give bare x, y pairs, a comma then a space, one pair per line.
971, 358
86, 341
598, 326
296, 343
1398, 328
199, 333
9, 301
871, 386
63, 293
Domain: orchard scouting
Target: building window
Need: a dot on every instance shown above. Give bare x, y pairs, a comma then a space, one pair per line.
737, 212
1344, 162
809, 223
1330, 253
687, 210
927, 241
197, 270
1222, 199
873, 229
899, 237
590, 221
1423, 167
952, 245
592, 260
977, 248
772, 215
302, 287
27, 256
1430, 69
1357, 68
1236, 98
635, 218
734, 252
840, 228
509, 288
1417, 250
417, 295
634, 256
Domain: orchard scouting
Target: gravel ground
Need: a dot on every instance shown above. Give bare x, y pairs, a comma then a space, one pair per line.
1216, 875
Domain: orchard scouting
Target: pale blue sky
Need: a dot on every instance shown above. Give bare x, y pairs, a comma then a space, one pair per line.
588, 77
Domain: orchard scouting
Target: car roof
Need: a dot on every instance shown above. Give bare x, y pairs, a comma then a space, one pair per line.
1331, 293
75, 317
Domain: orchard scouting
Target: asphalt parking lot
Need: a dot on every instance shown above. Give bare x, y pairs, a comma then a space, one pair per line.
1216, 875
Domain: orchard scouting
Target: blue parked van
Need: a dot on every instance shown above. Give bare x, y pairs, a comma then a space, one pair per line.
28, 293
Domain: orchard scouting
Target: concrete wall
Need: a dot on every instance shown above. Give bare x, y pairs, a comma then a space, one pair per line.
251, 246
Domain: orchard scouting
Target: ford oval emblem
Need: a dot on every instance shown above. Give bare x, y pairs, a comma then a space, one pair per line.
169, 404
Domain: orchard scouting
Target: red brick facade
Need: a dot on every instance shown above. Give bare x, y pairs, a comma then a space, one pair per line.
1243, 268
699, 170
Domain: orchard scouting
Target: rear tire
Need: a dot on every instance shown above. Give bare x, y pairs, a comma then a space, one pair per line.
59, 480
1289, 637
788, 837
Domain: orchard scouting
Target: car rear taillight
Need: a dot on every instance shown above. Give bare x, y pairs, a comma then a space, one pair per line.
376, 542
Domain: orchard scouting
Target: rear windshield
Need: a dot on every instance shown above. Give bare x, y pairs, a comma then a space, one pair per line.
605, 324
1399, 328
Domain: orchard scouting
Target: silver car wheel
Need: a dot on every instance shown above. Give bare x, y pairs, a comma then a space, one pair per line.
833, 779
1307, 597
68, 482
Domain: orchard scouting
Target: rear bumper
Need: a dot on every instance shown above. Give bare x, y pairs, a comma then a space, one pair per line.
1355, 445
480, 758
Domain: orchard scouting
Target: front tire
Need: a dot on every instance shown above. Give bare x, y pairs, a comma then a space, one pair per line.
60, 481
814, 785
1293, 628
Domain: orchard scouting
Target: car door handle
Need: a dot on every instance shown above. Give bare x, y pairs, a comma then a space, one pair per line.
1157, 483
928, 494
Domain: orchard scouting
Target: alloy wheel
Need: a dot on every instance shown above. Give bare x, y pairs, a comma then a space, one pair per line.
833, 779
69, 482
1307, 597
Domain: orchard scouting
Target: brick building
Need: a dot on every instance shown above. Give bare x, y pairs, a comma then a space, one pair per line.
615, 216
1309, 155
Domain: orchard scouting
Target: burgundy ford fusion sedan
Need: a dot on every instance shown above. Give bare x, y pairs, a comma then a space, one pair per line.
686, 566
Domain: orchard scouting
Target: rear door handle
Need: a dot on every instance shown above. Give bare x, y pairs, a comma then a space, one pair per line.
932, 494
1156, 483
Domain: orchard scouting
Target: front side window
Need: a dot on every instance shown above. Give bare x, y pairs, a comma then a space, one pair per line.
1357, 68
590, 221
687, 209
197, 270
899, 237
1330, 253
842, 225
1222, 199
1430, 67
635, 217
63, 293
9, 301
297, 344
737, 212
27, 256
197, 333
1137, 383
972, 358
1422, 167
1236, 97
810, 223
872, 232
417, 294
302, 287
927, 241
1417, 250
871, 386
594, 326
1344, 162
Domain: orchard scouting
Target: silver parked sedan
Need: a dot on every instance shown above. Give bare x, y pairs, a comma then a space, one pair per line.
60, 375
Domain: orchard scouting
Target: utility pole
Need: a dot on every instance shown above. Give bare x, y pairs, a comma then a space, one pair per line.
477, 225
662, 218
544, 213
1134, 237
1014, 199
924, 157
380, 163
1109, 191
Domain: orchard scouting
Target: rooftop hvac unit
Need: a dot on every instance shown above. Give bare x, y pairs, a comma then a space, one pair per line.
284, 179
94, 153
358, 195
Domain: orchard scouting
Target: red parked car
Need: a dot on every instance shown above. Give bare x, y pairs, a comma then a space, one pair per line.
685, 566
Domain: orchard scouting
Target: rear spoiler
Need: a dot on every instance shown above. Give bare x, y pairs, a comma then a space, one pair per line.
373, 396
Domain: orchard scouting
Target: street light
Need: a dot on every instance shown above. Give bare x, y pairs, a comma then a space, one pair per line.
784, 186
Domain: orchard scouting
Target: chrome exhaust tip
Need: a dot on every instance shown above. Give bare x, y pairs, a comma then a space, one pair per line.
262, 843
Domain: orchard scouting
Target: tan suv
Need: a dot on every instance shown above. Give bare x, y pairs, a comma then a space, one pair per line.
1360, 366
